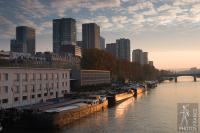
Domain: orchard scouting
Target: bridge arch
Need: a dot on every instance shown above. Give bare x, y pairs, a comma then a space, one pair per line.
181, 76
175, 76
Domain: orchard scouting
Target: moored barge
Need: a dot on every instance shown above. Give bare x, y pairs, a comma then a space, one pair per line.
117, 97
59, 114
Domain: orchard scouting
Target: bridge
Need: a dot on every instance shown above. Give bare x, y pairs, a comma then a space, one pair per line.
176, 75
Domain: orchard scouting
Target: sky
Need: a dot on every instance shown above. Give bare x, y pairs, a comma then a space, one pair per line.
168, 29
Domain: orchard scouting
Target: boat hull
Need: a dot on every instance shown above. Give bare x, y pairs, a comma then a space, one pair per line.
117, 98
60, 119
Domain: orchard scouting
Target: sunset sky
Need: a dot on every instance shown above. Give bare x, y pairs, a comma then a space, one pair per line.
168, 29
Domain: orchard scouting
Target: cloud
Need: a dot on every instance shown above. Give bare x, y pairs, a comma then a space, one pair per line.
101, 4
104, 22
185, 2
120, 21
195, 9
140, 6
76, 5
109, 14
62, 5
7, 29
149, 12
34, 8
138, 19
163, 7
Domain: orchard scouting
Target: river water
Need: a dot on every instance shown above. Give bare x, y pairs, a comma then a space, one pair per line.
152, 112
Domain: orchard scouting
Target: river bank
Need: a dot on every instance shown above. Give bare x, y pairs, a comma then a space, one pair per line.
60, 112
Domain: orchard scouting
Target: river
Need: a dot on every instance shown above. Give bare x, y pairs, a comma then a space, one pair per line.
152, 112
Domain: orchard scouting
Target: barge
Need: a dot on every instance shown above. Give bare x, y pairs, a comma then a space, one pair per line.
54, 116
151, 84
59, 117
137, 88
117, 97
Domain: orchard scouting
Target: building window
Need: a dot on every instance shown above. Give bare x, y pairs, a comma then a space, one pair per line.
56, 76
17, 77
45, 94
57, 85
40, 76
52, 85
25, 88
25, 77
5, 101
46, 76
34, 76
17, 89
24, 98
51, 93
65, 83
33, 88
5, 89
47, 85
40, 88
52, 76
39, 95
31, 76
5, 76
16, 99
33, 96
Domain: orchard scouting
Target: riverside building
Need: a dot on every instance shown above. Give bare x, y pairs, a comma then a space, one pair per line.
26, 86
85, 78
94, 77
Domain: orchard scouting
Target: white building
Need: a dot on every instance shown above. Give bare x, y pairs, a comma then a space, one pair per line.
4, 55
25, 86
15, 55
7, 55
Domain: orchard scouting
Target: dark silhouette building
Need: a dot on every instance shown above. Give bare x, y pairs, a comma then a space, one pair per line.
79, 43
13, 45
102, 43
123, 48
91, 36
64, 33
112, 48
25, 40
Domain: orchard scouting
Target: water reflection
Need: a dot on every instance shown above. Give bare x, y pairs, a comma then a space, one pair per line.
122, 108
185, 79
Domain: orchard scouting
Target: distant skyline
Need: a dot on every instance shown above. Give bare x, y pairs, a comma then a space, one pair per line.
168, 29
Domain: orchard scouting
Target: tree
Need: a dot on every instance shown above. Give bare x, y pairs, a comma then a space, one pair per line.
120, 69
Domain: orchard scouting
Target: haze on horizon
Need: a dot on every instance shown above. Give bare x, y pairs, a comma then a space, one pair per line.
168, 29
